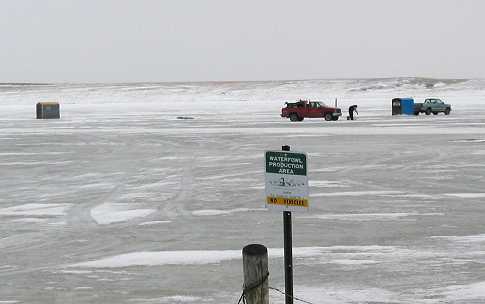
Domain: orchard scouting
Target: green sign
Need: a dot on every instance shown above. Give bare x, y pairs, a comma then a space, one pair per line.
286, 163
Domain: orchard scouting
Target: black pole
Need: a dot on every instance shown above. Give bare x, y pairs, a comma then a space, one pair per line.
288, 249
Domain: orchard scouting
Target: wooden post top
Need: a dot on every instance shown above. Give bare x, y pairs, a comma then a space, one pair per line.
255, 249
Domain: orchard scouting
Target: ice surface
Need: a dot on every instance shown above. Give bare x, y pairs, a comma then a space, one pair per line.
396, 206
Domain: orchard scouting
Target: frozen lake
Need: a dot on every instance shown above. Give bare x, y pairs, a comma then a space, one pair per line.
120, 202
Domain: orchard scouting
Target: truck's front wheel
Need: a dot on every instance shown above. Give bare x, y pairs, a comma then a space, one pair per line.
428, 111
447, 111
294, 117
328, 117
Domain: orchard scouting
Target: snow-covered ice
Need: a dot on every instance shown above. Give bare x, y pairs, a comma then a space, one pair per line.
212, 212
113, 213
153, 223
355, 193
35, 209
121, 202
196, 257
474, 291
369, 216
467, 195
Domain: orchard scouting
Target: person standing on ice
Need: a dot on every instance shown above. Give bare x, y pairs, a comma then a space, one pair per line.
352, 108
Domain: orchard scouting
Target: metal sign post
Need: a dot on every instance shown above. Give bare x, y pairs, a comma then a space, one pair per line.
287, 190
288, 244
288, 248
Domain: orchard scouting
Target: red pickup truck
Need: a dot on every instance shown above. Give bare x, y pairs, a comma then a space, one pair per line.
297, 111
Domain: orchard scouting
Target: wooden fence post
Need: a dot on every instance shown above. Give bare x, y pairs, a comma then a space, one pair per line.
255, 268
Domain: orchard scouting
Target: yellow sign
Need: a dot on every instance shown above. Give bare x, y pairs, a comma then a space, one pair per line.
283, 201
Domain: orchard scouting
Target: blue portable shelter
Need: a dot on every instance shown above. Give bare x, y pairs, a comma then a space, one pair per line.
407, 106
403, 106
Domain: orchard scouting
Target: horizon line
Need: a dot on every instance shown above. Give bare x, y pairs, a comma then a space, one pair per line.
27, 83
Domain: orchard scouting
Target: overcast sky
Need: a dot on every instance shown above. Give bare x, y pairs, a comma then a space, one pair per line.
197, 40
